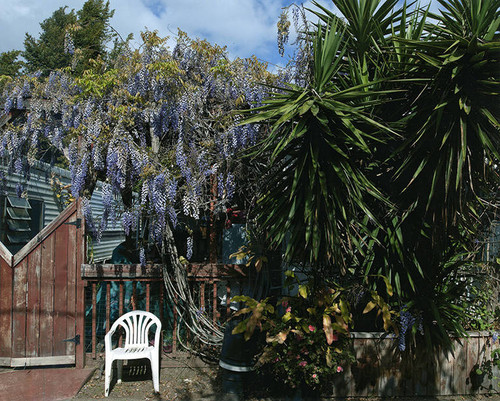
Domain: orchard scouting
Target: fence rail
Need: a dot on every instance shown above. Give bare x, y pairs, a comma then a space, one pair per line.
111, 290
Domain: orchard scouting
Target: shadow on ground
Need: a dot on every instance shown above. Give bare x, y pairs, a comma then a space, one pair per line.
210, 384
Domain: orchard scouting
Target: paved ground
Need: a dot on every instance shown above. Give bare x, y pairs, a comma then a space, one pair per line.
42, 384
184, 383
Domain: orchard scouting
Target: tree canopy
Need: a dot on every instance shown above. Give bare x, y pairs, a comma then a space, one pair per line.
10, 65
85, 32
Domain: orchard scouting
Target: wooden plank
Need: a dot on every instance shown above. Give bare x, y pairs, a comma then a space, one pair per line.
460, 367
60, 289
446, 371
94, 319
44, 233
148, 295
33, 307
43, 361
5, 361
133, 298
19, 312
496, 370
6, 290
120, 272
389, 367
108, 305
217, 270
202, 297
472, 360
81, 252
121, 300
47, 275
484, 355
195, 271
214, 302
6, 255
161, 302
72, 250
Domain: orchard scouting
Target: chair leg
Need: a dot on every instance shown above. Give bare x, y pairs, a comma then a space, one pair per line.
120, 370
108, 372
155, 371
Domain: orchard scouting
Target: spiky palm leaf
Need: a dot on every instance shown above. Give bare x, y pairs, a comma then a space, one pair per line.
454, 126
318, 190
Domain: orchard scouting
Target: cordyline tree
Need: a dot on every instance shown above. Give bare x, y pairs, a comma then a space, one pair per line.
159, 123
384, 157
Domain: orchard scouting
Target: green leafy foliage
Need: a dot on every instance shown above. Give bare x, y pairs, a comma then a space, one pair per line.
307, 338
10, 65
307, 334
315, 145
84, 32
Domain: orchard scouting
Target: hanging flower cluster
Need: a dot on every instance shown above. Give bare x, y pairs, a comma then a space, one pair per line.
158, 123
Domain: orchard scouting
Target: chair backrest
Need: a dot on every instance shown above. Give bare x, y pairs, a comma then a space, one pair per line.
137, 325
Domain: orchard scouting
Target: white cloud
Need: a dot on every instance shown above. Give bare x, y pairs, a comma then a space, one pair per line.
245, 26
17, 18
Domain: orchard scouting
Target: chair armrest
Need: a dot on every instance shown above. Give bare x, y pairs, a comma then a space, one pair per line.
108, 344
157, 338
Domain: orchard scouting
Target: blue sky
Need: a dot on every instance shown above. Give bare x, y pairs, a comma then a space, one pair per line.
247, 27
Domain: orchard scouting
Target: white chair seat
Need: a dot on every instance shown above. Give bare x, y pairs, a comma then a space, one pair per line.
136, 325
133, 352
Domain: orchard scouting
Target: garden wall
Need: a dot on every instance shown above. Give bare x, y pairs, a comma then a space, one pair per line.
380, 370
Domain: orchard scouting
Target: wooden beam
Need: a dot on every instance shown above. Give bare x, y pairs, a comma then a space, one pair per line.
109, 271
5, 361
217, 270
80, 288
155, 271
43, 361
6, 255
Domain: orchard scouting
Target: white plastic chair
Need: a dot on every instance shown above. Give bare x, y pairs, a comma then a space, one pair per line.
137, 325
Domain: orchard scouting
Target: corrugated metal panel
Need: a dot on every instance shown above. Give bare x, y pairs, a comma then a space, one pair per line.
39, 188
102, 252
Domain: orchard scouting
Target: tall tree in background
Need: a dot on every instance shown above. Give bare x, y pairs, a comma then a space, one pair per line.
47, 52
84, 32
10, 65
92, 31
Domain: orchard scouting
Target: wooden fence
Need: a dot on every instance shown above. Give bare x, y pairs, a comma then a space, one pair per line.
41, 296
137, 287
380, 370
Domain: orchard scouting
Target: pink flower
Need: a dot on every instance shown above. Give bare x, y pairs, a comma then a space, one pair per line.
340, 369
311, 327
289, 309
315, 376
302, 363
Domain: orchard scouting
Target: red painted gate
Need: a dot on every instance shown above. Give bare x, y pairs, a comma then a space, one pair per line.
42, 296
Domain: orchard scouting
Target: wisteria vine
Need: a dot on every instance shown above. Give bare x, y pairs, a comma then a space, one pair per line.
158, 122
